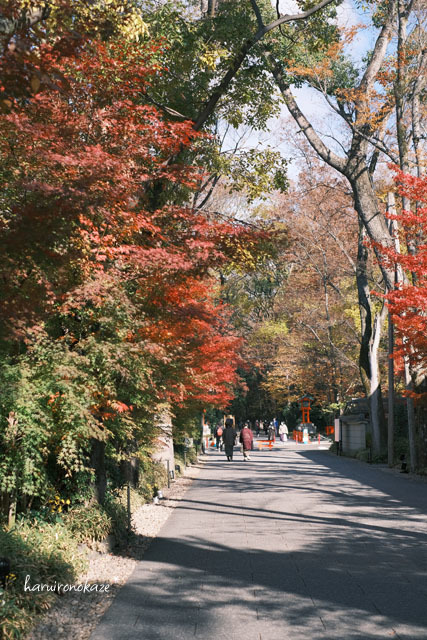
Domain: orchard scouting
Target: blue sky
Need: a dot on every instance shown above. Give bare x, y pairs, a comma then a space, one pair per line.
310, 101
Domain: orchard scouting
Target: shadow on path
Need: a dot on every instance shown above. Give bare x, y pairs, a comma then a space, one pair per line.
292, 545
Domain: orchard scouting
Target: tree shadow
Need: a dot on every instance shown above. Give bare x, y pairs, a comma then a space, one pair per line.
194, 587
303, 546
278, 473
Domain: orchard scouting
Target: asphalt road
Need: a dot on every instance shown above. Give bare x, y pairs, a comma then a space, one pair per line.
295, 544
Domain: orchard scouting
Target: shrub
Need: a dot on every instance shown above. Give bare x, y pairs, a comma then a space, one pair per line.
401, 447
364, 455
190, 458
136, 499
14, 622
117, 513
190, 454
88, 523
47, 552
96, 522
380, 458
153, 476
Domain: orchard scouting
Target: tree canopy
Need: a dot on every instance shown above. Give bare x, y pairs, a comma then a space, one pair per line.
128, 283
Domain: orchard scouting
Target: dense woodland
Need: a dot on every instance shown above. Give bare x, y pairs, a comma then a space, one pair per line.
157, 259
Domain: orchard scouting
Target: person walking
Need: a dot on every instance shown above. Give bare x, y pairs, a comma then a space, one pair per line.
271, 432
283, 431
218, 435
246, 438
229, 438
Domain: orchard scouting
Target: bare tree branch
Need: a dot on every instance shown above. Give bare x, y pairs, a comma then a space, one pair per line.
312, 136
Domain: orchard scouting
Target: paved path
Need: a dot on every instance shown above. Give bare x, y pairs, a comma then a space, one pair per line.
296, 544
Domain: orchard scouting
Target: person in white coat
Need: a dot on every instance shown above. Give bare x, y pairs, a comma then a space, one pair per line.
283, 431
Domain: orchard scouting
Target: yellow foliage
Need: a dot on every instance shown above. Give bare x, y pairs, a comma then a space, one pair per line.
123, 15
211, 55
134, 27
271, 330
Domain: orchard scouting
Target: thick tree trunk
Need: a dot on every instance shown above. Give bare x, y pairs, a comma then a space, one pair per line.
129, 470
212, 4
375, 394
410, 408
421, 427
416, 443
332, 350
366, 205
391, 393
417, 133
97, 462
371, 329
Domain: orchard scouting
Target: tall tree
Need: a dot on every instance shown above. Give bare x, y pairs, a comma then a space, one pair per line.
318, 299
407, 302
108, 304
358, 99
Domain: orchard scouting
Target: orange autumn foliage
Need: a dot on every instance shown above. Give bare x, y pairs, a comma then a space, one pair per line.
85, 169
408, 301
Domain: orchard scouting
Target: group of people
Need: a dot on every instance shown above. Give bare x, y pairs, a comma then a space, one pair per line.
226, 436
272, 429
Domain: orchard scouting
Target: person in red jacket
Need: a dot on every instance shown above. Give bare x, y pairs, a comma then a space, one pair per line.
246, 438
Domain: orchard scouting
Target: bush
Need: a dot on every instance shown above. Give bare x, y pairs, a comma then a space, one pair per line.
401, 447
96, 522
136, 499
380, 458
88, 523
364, 455
191, 455
47, 552
117, 513
153, 476
190, 458
14, 622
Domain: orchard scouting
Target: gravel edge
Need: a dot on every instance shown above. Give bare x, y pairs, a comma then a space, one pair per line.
76, 614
